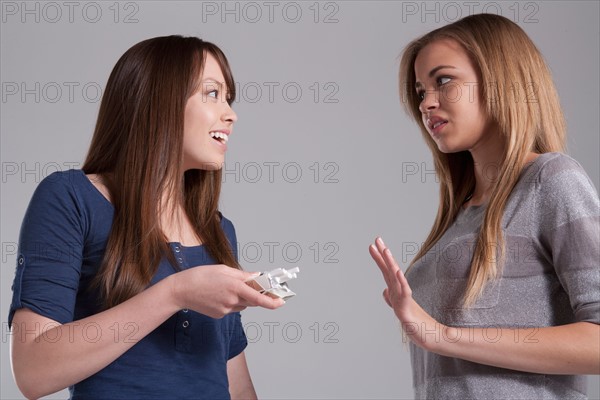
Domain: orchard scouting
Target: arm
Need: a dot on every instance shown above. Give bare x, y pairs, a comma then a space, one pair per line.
240, 383
47, 356
566, 349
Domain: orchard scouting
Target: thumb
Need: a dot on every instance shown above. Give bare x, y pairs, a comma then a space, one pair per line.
248, 276
386, 297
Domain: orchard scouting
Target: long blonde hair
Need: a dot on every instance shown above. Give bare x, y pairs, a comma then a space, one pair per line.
519, 98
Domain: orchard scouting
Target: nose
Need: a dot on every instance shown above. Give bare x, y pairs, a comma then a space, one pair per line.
228, 114
431, 101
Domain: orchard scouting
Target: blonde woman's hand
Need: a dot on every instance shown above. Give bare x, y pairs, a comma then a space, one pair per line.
418, 326
217, 290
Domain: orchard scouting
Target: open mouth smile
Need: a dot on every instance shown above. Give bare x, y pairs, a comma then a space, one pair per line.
219, 136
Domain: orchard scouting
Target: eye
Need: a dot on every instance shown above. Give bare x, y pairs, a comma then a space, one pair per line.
421, 94
213, 93
442, 80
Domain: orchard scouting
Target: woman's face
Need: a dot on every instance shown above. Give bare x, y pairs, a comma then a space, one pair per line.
208, 121
451, 108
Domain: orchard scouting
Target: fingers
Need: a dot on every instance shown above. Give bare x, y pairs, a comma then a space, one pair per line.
257, 288
253, 285
390, 261
242, 275
254, 298
386, 297
394, 283
406, 290
381, 249
393, 275
380, 244
376, 255
376, 251
385, 261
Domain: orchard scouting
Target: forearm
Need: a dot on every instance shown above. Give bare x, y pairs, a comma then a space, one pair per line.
62, 355
567, 349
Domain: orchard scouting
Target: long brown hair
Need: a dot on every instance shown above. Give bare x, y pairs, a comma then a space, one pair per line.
520, 99
137, 149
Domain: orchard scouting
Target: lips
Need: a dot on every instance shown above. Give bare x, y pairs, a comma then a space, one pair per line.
436, 124
220, 136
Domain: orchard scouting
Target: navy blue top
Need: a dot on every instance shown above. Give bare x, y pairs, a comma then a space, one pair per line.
61, 245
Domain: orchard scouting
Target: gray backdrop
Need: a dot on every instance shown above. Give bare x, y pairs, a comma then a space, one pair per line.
321, 161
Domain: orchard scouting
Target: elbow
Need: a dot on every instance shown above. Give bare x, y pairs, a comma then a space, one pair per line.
28, 387
29, 382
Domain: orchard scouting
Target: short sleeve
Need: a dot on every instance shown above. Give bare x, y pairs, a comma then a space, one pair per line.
229, 231
237, 338
569, 215
50, 251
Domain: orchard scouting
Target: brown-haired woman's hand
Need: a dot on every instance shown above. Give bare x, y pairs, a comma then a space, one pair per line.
416, 323
217, 290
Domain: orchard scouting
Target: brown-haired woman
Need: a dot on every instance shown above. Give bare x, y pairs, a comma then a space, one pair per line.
127, 283
502, 300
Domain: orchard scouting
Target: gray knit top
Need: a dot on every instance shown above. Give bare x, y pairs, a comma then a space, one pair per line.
551, 276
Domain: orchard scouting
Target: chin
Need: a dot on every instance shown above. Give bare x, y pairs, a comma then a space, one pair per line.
442, 147
448, 148
211, 166
206, 166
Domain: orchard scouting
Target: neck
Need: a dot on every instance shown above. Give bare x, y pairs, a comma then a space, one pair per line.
171, 215
175, 224
487, 158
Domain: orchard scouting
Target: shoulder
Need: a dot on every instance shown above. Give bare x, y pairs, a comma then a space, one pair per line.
74, 186
229, 231
557, 173
98, 182
59, 189
548, 167
562, 187
55, 203
68, 198
60, 182
227, 225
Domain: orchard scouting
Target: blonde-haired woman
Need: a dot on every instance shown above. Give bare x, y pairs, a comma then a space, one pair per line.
503, 299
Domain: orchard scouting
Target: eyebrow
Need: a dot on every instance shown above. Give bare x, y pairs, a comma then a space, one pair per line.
433, 71
436, 69
212, 80
222, 85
